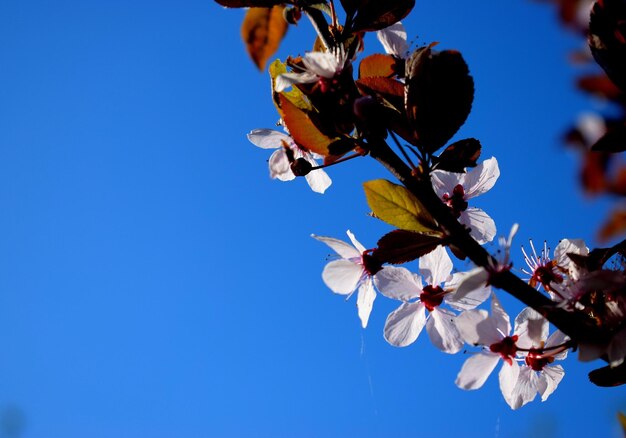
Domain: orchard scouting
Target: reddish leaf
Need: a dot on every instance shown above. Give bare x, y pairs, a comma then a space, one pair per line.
593, 174
614, 226
609, 377
400, 246
439, 95
613, 141
378, 14
385, 88
599, 85
607, 38
262, 31
459, 155
377, 65
303, 129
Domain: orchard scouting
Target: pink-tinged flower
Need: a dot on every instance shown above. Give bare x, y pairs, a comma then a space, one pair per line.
477, 327
355, 270
404, 325
544, 271
456, 189
393, 39
319, 67
537, 375
280, 167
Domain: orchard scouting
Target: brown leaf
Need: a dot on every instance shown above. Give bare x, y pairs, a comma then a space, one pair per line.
374, 15
593, 174
609, 377
262, 31
607, 38
614, 226
439, 95
599, 85
613, 141
400, 246
377, 65
459, 155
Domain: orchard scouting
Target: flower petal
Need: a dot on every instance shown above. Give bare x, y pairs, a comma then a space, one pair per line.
345, 250
531, 328
567, 246
500, 317
279, 166
557, 338
318, 180
323, 64
525, 389
482, 178
404, 324
549, 379
398, 283
482, 227
355, 242
617, 348
442, 331
508, 376
268, 138
436, 266
469, 289
342, 276
477, 328
393, 39
444, 182
286, 80
365, 301
476, 369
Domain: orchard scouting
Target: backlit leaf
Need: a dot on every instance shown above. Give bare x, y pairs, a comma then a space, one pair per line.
614, 226
439, 95
378, 14
262, 31
302, 128
400, 246
397, 206
377, 65
293, 94
459, 155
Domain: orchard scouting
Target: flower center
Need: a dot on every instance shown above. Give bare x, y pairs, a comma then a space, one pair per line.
456, 201
545, 274
536, 361
506, 348
329, 85
432, 296
370, 263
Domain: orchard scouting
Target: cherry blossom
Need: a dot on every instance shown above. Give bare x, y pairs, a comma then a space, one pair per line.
356, 269
455, 189
279, 163
393, 39
404, 325
477, 327
537, 375
320, 67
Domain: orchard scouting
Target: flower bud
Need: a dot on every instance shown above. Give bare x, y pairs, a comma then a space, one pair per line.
292, 15
301, 167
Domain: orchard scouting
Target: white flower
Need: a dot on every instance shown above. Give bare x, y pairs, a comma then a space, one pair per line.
477, 327
355, 270
537, 374
320, 67
279, 163
455, 189
404, 325
393, 39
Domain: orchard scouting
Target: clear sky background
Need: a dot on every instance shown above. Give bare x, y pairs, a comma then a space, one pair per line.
154, 282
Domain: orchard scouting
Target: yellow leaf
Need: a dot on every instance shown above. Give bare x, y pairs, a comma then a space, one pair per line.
302, 128
622, 421
296, 96
397, 206
262, 31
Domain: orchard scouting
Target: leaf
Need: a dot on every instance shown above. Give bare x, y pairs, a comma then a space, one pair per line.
294, 94
377, 65
262, 31
609, 377
302, 128
614, 226
439, 95
459, 155
622, 421
397, 206
614, 140
400, 246
374, 15
388, 89
600, 86
607, 39
249, 3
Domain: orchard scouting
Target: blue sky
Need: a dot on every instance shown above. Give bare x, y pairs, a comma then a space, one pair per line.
155, 282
